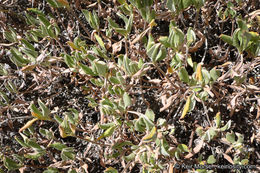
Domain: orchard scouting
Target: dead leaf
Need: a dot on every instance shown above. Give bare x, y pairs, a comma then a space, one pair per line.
228, 158
224, 76
61, 164
233, 104
199, 43
163, 100
228, 150
198, 146
238, 66
116, 47
22, 169
258, 112
28, 124
155, 81
140, 36
139, 73
167, 103
252, 138
42, 56
186, 108
253, 87
171, 168
226, 64
195, 150
28, 68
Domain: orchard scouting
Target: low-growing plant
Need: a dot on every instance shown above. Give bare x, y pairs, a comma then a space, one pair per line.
128, 132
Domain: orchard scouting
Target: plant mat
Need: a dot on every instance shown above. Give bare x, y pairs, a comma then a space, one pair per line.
115, 86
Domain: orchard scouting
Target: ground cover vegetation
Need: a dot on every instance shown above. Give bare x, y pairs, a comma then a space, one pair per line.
129, 86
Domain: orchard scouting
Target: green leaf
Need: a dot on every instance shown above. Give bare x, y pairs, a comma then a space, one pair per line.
95, 20
186, 3
127, 100
150, 136
44, 20
164, 148
140, 125
87, 70
130, 157
106, 126
205, 76
18, 58
129, 23
36, 112
244, 162
242, 25
164, 40
46, 111
161, 122
231, 137
51, 170
101, 68
153, 51
70, 61
122, 1
100, 41
162, 53
150, 114
67, 154
126, 64
189, 61
10, 37
4, 96
32, 55
10, 164
53, 3
121, 31
183, 75
199, 131
226, 38
210, 133
150, 42
211, 160
176, 38
218, 120
114, 80
171, 5
48, 134
227, 126
112, 23
72, 45
34, 145
72, 170
3, 70
191, 36
50, 32
107, 133
35, 155
236, 41
119, 145
58, 119
214, 74
35, 10
183, 147
22, 143
58, 146
110, 170
240, 138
